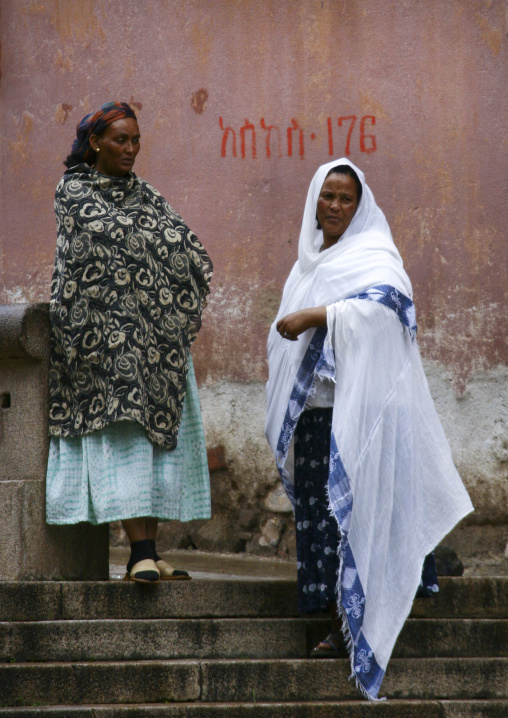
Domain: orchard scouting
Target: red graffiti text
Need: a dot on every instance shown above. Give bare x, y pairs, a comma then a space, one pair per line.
341, 133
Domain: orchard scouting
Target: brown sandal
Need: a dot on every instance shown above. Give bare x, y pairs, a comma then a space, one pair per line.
168, 573
332, 649
144, 571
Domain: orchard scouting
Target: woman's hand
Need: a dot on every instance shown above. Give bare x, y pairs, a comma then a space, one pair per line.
290, 326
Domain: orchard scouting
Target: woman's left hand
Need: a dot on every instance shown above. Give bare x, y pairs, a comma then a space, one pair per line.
294, 324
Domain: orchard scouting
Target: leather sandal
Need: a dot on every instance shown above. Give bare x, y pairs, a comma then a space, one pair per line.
168, 573
332, 649
144, 571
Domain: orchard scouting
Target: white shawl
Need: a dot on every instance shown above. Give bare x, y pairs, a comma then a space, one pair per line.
392, 486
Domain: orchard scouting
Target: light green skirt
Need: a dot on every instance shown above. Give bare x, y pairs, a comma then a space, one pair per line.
117, 473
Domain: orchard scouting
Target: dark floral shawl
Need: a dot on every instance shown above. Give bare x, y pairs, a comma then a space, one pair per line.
128, 289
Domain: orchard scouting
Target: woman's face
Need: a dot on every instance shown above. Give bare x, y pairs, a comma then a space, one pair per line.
336, 206
118, 146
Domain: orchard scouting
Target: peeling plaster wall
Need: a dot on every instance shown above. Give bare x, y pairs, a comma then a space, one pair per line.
424, 81
476, 424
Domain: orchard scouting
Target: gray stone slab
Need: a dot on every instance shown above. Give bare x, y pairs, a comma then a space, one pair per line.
357, 709
453, 638
441, 637
30, 600
473, 597
328, 680
146, 640
475, 709
460, 598
61, 711
318, 709
277, 680
180, 599
32, 550
24, 439
82, 683
447, 678
231, 638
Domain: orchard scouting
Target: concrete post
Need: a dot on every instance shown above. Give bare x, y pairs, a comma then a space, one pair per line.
29, 548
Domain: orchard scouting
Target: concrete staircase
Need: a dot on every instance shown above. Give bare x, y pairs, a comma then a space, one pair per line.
237, 648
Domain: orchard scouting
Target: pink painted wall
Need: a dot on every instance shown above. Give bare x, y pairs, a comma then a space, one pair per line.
432, 74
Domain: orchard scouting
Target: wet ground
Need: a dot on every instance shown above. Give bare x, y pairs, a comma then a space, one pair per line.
482, 550
213, 566
216, 566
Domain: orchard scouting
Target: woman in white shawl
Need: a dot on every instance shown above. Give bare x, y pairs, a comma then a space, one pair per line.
357, 440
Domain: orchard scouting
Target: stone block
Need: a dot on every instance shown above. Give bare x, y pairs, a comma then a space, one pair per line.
31, 600
216, 535
447, 677
474, 709
297, 680
287, 545
270, 533
29, 548
305, 709
484, 598
85, 683
32, 550
248, 519
256, 709
277, 501
447, 562
126, 640
479, 597
177, 534
289, 680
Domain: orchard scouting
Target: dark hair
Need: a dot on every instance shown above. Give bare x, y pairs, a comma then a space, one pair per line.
72, 160
345, 170
75, 159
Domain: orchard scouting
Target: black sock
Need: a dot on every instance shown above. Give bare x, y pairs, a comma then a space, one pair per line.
140, 550
152, 544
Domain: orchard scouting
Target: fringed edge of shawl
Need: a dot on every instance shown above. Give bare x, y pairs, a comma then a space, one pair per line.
341, 611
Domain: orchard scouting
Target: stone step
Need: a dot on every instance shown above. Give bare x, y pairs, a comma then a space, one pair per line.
119, 640
223, 681
345, 709
475, 597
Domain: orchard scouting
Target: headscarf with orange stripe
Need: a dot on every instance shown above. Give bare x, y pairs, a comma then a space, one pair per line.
93, 124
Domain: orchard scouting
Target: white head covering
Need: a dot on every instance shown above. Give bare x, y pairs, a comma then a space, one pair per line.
364, 256
368, 216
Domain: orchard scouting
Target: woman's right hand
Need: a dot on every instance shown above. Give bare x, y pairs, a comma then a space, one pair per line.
294, 324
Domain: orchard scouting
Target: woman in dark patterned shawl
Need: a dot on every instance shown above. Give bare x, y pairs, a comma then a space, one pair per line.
129, 286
